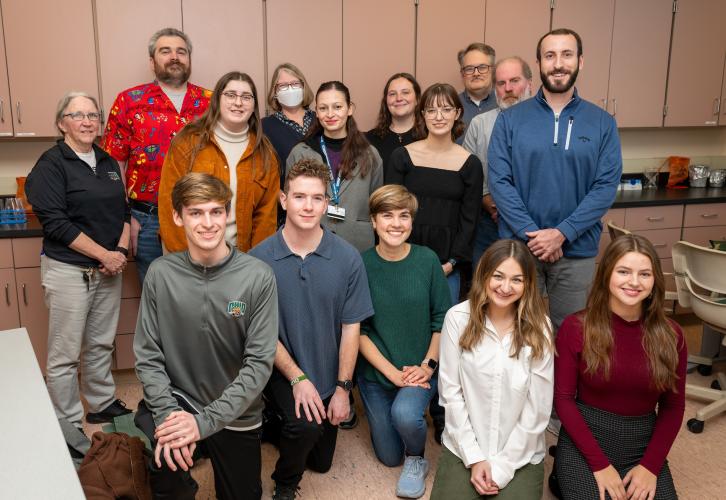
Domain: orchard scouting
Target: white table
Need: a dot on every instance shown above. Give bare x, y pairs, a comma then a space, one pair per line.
34, 459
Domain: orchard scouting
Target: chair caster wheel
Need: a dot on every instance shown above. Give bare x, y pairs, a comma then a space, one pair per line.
695, 426
715, 385
705, 370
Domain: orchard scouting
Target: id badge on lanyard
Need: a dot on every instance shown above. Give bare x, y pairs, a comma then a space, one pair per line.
335, 211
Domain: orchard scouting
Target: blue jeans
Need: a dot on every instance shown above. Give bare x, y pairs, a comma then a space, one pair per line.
396, 419
487, 233
148, 246
454, 280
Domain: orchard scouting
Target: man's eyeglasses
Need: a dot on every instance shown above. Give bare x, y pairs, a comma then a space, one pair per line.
483, 69
446, 112
79, 116
233, 96
280, 87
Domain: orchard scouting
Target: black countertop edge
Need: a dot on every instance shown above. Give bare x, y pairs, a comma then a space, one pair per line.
655, 197
31, 229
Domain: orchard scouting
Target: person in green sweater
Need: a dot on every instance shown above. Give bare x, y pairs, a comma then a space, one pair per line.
399, 344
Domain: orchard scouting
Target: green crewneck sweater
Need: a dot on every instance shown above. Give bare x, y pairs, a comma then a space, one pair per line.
410, 297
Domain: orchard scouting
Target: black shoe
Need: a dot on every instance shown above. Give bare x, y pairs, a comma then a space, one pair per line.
438, 429
351, 422
115, 409
285, 492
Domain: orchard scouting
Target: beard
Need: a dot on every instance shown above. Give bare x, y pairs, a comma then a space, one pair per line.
559, 88
173, 73
503, 104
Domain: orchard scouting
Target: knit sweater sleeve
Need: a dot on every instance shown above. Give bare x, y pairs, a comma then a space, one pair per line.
567, 371
671, 406
440, 296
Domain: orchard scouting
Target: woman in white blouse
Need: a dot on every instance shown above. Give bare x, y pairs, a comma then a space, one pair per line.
496, 380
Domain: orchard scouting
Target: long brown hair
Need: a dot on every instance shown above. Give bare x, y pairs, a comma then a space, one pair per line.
531, 327
384, 114
356, 148
659, 338
440, 94
205, 124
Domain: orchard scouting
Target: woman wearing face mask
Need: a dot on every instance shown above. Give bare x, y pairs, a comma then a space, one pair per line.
289, 97
355, 165
617, 361
226, 141
397, 116
445, 178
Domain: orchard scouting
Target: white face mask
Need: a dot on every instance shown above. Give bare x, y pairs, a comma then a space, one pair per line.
290, 97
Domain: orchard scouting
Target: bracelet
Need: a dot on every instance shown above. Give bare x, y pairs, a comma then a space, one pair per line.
124, 251
298, 379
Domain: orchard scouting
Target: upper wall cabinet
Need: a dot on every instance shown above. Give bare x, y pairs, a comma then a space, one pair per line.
227, 37
307, 34
124, 29
697, 58
6, 116
50, 50
445, 28
514, 27
369, 60
722, 118
593, 21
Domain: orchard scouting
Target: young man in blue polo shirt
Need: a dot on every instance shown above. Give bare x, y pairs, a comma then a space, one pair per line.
323, 297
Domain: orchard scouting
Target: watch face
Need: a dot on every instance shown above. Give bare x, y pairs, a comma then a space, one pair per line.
432, 364
346, 384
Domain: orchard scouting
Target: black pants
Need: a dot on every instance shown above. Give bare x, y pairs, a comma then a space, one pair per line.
302, 443
235, 457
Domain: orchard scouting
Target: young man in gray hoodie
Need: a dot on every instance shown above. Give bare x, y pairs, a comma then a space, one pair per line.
205, 343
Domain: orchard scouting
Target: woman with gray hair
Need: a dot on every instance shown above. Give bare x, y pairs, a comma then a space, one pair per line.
77, 192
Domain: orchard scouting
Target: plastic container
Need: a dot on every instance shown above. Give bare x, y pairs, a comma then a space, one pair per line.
716, 178
698, 175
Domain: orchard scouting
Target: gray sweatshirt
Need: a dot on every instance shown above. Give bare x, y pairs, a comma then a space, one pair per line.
209, 333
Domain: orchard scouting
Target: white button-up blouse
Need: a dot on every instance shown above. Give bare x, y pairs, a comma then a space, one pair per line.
497, 407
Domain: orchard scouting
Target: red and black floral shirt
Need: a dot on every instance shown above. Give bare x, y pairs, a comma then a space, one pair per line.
141, 124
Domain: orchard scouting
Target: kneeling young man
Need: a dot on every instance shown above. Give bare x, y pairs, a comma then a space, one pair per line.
323, 297
205, 343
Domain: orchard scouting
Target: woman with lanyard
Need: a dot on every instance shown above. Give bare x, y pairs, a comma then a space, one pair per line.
354, 165
397, 116
226, 142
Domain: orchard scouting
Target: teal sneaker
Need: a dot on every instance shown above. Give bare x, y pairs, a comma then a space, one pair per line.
412, 483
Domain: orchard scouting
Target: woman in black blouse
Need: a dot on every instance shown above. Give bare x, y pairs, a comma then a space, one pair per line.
445, 178
397, 117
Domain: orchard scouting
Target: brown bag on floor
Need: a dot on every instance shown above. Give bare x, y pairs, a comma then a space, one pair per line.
115, 468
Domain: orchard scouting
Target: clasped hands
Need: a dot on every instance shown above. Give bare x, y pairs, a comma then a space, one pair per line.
546, 244
176, 439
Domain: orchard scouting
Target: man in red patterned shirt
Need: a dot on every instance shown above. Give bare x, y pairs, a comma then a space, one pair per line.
141, 124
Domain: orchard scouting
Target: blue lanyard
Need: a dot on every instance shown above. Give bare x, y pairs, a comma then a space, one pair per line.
334, 183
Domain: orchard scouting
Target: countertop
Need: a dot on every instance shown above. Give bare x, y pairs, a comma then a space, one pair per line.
624, 199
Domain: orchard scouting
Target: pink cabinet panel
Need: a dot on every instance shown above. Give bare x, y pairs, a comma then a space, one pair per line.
709, 214
130, 287
26, 251
662, 240
124, 352
658, 217
127, 316
702, 235
6, 253
9, 316
33, 312
6, 114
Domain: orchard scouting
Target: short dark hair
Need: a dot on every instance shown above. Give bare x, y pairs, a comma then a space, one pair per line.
561, 31
199, 187
307, 167
480, 46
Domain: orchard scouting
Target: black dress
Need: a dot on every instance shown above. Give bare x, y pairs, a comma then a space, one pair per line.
387, 144
449, 202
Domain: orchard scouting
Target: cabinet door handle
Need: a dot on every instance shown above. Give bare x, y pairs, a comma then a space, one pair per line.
7, 293
656, 219
20, 116
716, 106
25, 295
659, 245
709, 216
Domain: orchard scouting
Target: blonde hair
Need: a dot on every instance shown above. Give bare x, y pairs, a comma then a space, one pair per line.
392, 197
199, 187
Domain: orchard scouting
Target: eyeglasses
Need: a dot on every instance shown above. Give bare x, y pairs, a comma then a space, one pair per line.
446, 112
233, 96
79, 116
280, 87
483, 69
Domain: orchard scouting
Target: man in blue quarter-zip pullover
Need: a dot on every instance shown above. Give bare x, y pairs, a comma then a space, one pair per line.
554, 168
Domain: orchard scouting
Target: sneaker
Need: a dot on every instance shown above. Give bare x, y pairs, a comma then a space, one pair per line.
285, 492
412, 483
115, 409
351, 422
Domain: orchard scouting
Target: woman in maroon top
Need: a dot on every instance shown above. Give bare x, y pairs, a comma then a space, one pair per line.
617, 360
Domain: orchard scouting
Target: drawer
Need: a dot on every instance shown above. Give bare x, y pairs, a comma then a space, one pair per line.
709, 214
130, 287
662, 240
6, 253
124, 352
127, 316
701, 235
614, 215
26, 252
638, 219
